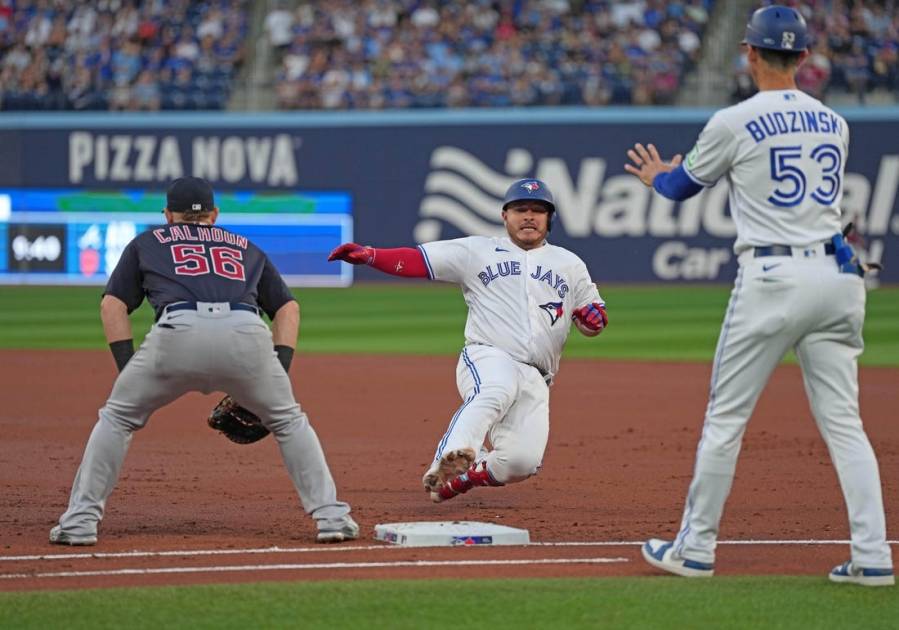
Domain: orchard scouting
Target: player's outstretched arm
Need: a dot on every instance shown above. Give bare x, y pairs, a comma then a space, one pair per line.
400, 261
591, 319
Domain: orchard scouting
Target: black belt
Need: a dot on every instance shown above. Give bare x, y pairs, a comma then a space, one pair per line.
785, 250
192, 306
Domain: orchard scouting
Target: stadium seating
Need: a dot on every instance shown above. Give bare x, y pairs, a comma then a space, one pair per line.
424, 54
119, 54
378, 54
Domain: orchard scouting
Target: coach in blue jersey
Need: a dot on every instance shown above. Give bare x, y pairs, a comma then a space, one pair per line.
209, 288
798, 287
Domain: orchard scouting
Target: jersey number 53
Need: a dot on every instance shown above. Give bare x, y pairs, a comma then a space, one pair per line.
792, 184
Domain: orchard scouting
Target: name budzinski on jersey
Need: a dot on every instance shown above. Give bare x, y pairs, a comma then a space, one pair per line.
513, 268
777, 123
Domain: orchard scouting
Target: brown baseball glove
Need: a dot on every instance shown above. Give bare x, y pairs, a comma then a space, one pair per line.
238, 424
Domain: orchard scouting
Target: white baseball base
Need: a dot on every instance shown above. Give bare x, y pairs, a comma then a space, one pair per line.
450, 534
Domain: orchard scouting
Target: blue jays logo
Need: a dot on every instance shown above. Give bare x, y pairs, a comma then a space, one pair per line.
554, 310
531, 186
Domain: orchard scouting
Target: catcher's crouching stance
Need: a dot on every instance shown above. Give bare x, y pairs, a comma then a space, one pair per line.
205, 284
522, 294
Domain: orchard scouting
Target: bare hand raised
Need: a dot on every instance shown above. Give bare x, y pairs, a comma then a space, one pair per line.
648, 163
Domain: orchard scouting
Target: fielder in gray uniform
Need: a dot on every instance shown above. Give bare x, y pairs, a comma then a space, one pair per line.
209, 288
798, 286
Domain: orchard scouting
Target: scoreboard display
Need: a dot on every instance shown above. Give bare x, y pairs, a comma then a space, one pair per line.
76, 236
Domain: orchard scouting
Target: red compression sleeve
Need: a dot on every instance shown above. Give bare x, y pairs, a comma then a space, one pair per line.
400, 261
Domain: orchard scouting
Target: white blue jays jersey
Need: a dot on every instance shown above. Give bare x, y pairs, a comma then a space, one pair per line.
518, 301
783, 153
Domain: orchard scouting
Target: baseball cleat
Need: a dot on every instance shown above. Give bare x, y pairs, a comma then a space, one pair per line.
661, 555
848, 573
349, 531
59, 537
452, 464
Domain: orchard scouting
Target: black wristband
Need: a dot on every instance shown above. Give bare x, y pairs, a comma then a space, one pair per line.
285, 356
122, 351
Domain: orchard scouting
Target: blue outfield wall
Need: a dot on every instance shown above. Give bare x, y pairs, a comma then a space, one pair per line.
420, 176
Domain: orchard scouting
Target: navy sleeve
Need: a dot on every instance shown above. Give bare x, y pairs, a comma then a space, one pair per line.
676, 184
273, 292
126, 281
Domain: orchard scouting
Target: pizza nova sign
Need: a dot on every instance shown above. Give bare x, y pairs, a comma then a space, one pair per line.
462, 191
136, 158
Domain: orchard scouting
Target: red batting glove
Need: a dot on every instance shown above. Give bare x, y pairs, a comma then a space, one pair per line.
593, 316
353, 254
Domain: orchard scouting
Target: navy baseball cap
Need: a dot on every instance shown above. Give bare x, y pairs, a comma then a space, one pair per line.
529, 190
189, 194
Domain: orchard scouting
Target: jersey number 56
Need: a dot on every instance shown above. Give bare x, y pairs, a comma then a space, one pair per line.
786, 171
194, 260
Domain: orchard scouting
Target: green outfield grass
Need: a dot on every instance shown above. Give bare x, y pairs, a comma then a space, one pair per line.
647, 323
771, 603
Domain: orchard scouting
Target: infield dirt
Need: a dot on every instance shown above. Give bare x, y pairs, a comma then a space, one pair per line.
620, 457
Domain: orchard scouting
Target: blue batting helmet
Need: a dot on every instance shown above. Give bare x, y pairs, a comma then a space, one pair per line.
531, 190
777, 28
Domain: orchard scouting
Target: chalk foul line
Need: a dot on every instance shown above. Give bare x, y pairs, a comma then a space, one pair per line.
381, 547
307, 567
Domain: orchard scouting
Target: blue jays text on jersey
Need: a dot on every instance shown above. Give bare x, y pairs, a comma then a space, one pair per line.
513, 268
777, 123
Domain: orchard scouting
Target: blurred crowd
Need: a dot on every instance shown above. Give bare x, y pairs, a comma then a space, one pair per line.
373, 54
854, 48
119, 54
